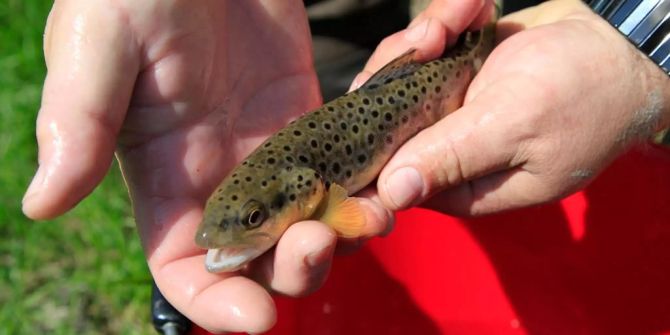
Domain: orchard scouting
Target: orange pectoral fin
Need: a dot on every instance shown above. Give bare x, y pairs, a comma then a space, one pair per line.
342, 213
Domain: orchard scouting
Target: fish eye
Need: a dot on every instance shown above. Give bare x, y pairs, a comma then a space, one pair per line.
255, 217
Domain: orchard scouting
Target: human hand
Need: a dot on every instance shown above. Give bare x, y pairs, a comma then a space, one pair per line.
182, 91
561, 96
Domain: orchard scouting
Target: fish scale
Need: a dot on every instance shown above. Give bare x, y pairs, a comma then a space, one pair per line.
346, 142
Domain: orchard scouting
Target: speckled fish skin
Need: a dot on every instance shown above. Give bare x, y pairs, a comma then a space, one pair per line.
346, 142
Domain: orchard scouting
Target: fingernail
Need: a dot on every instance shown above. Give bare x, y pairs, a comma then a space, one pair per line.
417, 32
404, 186
35, 185
356, 83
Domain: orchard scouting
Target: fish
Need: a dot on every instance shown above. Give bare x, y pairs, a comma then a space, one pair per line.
309, 169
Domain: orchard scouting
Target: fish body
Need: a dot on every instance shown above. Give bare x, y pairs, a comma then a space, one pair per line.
307, 169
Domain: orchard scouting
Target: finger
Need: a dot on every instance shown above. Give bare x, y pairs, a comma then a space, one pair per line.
429, 32
455, 16
427, 36
92, 64
300, 262
478, 139
498, 191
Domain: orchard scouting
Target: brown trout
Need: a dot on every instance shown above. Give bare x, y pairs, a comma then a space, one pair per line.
308, 169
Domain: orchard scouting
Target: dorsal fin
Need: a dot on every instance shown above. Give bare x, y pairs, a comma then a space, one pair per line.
397, 68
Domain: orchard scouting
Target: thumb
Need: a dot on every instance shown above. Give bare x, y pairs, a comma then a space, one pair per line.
472, 142
92, 64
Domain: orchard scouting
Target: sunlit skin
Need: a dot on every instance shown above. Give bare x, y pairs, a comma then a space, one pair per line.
165, 84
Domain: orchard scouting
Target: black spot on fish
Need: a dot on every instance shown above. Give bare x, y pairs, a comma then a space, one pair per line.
279, 200
350, 104
245, 163
233, 197
380, 101
288, 168
391, 100
299, 186
429, 79
322, 167
404, 119
273, 177
336, 138
343, 125
311, 124
314, 143
415, 84
280, 134
350, 115
267, 145
373, 86
366, 101
327, 185
326, 126
444, 77
371, 139
348, 149
401, 93
415, 98
408, 85
380, 127
354, 128
297, 133
328, 147
308, 183
348, 173
289, 159
362, 158
375, 114
264, 183
271, 160
331, 109
248, 178
388, 116
388, 80
405, 106
236, 181
438, 89
300, 177
303, 159
361, 110
220, 198
423, 89
365, 121
227, 207
336, 168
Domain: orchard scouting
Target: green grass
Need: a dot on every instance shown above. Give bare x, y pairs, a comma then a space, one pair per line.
83, 273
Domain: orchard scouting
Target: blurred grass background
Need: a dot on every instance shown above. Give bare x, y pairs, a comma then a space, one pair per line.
83, 273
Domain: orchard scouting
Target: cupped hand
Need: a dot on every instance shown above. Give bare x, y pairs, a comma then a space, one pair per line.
559, 98
181, 90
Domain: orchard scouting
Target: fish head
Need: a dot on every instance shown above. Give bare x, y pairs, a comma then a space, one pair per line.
243, 218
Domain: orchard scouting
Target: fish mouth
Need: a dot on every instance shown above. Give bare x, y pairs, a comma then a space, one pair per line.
232, 258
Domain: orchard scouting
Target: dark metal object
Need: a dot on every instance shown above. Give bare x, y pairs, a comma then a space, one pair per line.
646, 24
166, 319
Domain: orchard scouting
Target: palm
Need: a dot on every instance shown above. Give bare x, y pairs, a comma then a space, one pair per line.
225, 81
